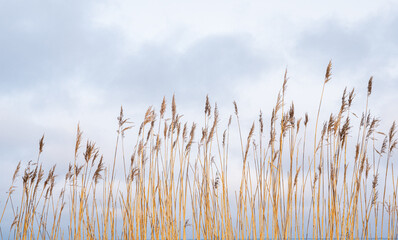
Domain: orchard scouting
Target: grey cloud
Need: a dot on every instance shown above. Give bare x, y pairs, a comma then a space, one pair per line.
334, 41
46, 46
370, 42
210, 65
47, 41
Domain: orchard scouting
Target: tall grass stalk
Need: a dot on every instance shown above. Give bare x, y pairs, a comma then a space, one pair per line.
176, 183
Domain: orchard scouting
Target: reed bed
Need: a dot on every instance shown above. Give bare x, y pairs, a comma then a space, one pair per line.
175, 184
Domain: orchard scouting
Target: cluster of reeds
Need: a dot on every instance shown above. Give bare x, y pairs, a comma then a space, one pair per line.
175, 184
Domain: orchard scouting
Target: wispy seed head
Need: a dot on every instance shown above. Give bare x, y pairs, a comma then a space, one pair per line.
236, 108
41, 144
163, 108
207, 106
328, 73
370, 83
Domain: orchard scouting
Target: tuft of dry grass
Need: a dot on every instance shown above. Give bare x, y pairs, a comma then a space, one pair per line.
176, 184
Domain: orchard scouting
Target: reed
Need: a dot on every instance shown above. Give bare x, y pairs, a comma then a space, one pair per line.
176, 185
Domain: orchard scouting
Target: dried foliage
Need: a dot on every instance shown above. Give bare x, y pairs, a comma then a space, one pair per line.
177, 185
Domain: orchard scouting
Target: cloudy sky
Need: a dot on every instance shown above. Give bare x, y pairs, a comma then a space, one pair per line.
64, 62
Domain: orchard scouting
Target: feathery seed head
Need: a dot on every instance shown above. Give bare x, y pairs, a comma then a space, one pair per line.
207, 106
351, 97
236, 108
370, 83
41, 144
328, 73
163, 108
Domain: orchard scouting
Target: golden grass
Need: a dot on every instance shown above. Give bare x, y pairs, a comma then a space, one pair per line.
176, 183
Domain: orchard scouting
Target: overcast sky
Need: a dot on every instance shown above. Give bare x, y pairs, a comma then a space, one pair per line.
78, 61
